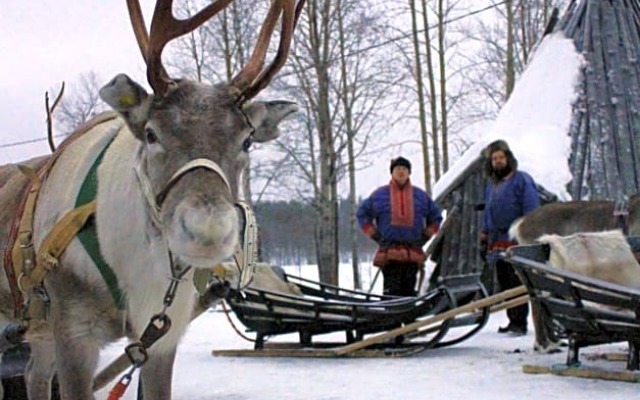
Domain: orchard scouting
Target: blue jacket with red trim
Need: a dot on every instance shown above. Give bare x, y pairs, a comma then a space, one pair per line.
406, 221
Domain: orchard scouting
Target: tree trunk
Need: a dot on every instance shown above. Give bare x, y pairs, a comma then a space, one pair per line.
327, 238
345, 95
433, 96
443, 87
510, 73
525, 23
420, 90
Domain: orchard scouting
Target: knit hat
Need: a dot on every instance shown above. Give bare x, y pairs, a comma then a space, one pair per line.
400, 161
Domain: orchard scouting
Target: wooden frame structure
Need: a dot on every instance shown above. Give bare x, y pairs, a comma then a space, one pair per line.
583, 310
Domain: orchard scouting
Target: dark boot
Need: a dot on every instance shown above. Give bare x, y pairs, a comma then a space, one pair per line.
514, 329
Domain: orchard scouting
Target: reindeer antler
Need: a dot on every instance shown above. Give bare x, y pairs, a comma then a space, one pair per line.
253, 78
165, 27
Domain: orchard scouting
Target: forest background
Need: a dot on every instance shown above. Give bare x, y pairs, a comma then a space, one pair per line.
374, 79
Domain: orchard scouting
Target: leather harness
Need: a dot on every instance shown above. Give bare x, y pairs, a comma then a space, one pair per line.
26, 270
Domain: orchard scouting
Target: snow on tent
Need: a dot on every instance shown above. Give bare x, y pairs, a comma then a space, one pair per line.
572, 122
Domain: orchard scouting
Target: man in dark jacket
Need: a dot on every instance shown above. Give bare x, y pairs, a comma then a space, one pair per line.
400, 218
509, 195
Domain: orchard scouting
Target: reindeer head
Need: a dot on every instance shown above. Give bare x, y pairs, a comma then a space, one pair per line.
194, 138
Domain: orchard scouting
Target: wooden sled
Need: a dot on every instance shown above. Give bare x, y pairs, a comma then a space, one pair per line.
425, 322
584, 311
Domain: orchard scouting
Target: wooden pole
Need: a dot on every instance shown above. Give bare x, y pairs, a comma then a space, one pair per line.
583, 372
486, 302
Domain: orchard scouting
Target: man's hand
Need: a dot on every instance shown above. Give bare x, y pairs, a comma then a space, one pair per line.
483, 237
428, 232
424, 238
484, 245
371, 231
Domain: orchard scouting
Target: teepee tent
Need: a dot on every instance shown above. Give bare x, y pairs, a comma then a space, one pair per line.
605, 130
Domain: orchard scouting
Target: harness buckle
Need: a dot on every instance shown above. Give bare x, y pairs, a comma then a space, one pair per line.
247, 251
158, 326
137, 354
37, 305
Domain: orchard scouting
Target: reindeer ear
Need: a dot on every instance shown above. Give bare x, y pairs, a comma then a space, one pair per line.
128, 98
265, 117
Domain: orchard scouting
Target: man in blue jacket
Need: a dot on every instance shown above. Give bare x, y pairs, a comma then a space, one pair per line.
509, 195
400, 218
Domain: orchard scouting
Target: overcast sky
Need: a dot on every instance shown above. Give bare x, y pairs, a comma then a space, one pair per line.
45, 42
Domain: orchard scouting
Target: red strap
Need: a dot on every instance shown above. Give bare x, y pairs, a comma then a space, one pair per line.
118, 391
502, 245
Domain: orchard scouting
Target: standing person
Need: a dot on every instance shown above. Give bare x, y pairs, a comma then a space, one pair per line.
509, 195
400, 218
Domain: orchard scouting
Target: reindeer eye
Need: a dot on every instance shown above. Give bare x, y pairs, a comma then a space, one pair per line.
150, 136
246, 145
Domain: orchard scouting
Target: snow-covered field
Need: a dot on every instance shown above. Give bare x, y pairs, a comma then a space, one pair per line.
486, 366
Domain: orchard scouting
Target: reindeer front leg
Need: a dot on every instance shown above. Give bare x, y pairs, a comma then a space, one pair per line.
77, 349
77, 360
40, 369
541, 341
545, 340
156, 375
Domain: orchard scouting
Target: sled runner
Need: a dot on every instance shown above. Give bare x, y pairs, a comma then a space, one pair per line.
383, 344
316, 308
583, 310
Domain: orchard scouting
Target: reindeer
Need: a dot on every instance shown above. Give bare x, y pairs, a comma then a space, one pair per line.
167, 173
568, 218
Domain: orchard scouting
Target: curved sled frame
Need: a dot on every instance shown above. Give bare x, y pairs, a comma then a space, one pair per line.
326, 308
586, 311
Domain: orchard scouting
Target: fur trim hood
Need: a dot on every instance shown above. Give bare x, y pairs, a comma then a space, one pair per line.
492, 148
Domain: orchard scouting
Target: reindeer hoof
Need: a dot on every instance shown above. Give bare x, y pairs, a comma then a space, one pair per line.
548, 348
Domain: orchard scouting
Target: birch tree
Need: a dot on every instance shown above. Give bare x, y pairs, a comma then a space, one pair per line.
364, 89
422, 114
343, 85
507, 39
436, 69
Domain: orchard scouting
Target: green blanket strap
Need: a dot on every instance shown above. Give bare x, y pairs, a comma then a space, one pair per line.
88, 235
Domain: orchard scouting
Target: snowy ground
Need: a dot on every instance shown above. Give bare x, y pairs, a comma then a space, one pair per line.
486, 366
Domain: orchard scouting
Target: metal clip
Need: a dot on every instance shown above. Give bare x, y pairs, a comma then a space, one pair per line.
157, 328
37, 307
137, 354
